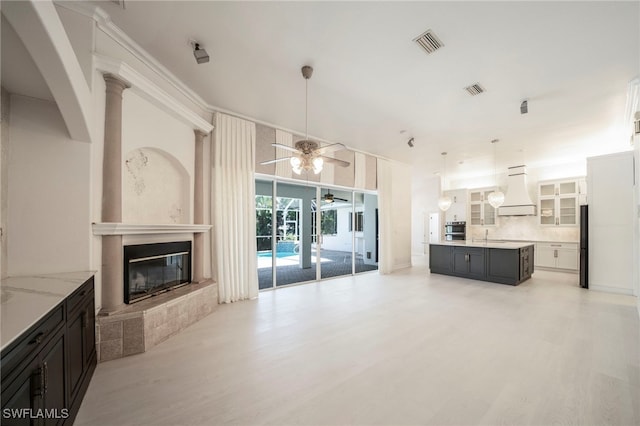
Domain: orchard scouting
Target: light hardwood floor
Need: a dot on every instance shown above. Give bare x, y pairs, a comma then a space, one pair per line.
403, 349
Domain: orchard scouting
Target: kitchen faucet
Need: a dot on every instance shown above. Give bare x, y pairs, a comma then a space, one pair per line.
486, 235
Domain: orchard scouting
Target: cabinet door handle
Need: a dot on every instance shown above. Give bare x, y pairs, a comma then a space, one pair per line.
37, 381
555, 253
83, 292
38, 339
45, 380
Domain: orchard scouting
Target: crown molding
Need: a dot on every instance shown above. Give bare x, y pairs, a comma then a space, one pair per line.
104, 23
150, 91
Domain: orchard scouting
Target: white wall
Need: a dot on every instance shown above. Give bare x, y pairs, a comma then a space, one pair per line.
4, 175
425, 192
636, 233
400, 217
158, 164
48, 192
611, 240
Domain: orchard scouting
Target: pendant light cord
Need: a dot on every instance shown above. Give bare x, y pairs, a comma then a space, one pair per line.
306, 109
444, 178
495, 169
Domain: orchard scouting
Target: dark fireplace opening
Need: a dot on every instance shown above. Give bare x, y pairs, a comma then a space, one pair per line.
150, 269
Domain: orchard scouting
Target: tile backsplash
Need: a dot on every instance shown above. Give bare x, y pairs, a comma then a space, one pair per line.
524, 228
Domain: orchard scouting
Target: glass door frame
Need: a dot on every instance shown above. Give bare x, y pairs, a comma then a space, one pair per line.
275, 180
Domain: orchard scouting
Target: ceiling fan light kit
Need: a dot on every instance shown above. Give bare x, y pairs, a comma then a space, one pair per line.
308, 155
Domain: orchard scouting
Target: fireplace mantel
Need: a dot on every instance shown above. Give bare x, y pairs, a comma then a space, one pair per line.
134, 229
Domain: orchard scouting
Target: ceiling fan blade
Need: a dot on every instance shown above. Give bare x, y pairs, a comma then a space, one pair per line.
330, 148
335, 161
340, 199
264, 163
286, 147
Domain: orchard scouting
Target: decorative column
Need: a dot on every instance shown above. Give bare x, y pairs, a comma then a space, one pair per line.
198, 210
112, 268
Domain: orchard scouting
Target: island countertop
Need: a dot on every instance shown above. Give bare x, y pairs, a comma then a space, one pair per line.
26, 299
482, 244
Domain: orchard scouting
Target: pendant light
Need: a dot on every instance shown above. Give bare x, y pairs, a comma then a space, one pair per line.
496, 198
444, 202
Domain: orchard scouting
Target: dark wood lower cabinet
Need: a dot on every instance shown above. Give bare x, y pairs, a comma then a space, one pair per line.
46, 371
505, 266
469, 262
440, 259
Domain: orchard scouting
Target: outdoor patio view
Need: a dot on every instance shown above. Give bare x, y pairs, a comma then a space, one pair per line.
293, 247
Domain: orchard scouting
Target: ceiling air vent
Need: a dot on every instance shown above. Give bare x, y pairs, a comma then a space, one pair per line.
474, 89
428, 41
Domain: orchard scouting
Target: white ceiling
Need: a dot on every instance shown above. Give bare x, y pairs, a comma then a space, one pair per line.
571, 60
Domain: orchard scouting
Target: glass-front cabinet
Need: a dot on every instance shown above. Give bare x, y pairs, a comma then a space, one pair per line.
481, 212
559, 201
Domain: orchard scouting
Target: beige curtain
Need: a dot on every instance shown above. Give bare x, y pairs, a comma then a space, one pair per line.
385, 214
233, 208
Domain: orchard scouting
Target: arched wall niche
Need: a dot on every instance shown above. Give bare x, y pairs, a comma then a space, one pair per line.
155, 188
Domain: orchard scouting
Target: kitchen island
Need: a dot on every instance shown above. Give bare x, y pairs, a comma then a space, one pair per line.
493, 261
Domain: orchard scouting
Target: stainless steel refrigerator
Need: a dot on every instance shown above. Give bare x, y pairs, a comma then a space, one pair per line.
584, 246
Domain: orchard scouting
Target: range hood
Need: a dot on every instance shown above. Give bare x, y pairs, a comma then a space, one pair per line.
517, 201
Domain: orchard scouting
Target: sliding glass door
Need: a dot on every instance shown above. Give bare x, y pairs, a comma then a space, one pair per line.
336, 242
264, 233
305, 233
366, 232
294, 262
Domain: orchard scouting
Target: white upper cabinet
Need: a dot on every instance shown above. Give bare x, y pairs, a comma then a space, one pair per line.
480, 211
559, 200
458, 210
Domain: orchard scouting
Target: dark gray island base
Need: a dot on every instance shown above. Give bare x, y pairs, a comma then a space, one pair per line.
504, 263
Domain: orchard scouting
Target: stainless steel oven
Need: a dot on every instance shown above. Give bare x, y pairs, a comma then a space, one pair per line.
455, 231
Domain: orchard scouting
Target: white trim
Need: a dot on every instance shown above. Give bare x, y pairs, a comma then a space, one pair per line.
106, 228
149, 90
607, 289
104, 23
399, 266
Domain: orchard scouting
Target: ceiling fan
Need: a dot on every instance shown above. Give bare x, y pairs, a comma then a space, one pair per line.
330, 198
308, 154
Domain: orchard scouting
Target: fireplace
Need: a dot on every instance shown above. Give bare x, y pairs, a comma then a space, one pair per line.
150, 269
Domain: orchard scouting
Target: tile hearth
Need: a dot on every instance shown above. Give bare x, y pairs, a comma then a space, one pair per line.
140, 326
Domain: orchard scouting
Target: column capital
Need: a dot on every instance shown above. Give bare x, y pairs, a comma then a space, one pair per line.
200, 135
114, 83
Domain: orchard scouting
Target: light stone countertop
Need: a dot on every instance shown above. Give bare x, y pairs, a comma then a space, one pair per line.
482, 244
26, 299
